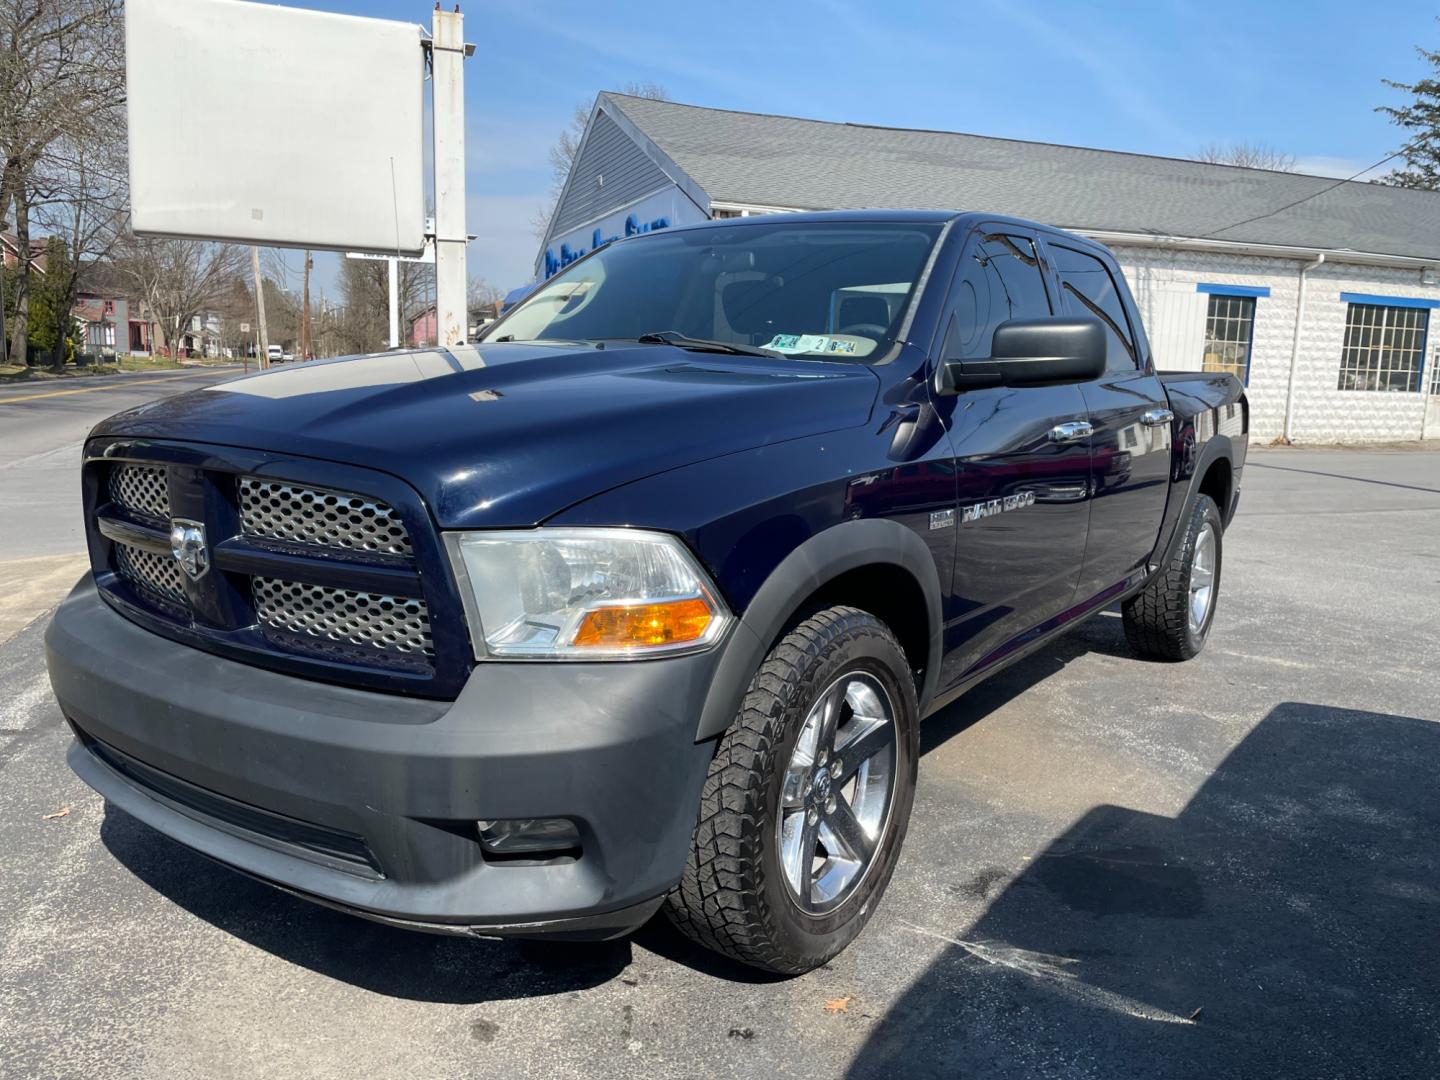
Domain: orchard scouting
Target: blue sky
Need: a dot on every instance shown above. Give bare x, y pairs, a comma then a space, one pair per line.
1161, 77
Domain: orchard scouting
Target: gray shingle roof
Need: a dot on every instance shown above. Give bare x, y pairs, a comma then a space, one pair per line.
812, 165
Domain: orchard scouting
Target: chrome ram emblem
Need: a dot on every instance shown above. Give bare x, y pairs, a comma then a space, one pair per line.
187, 544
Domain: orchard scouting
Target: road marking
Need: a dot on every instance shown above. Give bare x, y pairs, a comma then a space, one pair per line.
43, 455
96, 389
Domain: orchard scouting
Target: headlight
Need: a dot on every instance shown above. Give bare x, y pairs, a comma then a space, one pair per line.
583, 594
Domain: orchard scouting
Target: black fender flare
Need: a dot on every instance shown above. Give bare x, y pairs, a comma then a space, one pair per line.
1213, 449
820, 559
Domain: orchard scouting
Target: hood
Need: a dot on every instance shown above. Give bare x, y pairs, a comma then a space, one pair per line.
510, 434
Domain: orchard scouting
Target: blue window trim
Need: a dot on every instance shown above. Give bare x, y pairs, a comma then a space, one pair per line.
1233, 290
1405, 302
1247, 292
1387, 301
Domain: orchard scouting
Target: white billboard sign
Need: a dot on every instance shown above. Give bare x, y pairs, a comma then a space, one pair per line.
278, 126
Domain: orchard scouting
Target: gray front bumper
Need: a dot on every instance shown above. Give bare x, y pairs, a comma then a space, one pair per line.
288, 779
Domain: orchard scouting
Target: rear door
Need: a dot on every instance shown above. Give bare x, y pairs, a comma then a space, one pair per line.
1131, 421
1022, 461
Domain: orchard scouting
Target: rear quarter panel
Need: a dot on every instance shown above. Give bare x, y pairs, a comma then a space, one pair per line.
1212, 422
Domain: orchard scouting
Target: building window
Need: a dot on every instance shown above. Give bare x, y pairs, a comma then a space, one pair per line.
1384, 348
1229, 328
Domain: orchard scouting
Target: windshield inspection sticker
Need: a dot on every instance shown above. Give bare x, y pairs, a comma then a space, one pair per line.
839, 345
797, 343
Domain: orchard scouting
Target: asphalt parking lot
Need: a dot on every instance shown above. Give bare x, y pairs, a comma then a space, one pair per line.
1115, 868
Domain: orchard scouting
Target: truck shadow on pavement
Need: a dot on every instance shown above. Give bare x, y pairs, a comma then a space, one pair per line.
426, 967
1283, 924
382, 959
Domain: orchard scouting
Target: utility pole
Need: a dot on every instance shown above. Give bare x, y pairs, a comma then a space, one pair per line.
447, 83
263, 360
306, 347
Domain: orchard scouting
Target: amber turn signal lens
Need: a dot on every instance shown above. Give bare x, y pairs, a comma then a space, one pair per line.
638, 625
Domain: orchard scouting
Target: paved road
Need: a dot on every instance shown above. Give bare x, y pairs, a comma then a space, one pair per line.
42, 427
1225, 868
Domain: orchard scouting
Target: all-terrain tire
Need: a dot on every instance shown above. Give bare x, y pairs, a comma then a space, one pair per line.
732, 897
1157, 619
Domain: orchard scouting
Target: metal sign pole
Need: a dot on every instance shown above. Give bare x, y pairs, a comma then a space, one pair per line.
392, 267
447, 82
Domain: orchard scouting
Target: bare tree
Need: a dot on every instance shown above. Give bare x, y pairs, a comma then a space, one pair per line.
80, 197
61, 74
562, 154
360, 323
178, 279
1247, 155
482, 296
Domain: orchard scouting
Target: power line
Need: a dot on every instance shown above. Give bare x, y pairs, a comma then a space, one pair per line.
1307, 198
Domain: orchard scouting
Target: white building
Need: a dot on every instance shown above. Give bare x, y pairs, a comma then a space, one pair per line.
1318, 294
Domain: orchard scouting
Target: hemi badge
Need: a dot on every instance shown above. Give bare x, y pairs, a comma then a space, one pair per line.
942, 519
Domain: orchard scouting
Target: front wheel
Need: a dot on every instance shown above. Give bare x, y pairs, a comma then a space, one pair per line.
807, 800
1171, 617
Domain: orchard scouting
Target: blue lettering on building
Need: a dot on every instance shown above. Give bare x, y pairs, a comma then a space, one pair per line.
633, 227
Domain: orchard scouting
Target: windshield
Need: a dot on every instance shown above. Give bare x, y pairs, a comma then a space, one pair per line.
833, 289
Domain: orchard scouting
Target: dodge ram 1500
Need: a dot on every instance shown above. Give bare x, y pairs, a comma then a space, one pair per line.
639, 601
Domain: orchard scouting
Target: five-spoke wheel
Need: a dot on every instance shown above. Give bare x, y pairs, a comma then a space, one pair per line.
837, 792
807, 799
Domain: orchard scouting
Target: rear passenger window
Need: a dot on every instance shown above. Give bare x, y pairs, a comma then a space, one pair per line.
1086, 288
1000, 281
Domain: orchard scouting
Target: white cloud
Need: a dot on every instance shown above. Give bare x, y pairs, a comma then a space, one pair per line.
1341, 167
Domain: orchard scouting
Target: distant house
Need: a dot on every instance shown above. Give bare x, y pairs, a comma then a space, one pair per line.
202, 336
10, 247
422, 328
110, 320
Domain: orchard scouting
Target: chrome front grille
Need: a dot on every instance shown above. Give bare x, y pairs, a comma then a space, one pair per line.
395, 623
159, 575
320, 516
141, 489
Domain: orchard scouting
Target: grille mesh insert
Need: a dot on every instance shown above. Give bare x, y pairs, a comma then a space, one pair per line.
394, 623
141, 489
159, 575
320, 516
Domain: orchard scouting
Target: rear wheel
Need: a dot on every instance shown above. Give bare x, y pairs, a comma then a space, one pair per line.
807, 799
1170, 619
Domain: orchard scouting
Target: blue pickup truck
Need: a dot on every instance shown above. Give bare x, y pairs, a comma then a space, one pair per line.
639, 601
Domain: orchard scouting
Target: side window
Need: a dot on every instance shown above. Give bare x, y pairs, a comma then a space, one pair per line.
1086, 288
1000, 281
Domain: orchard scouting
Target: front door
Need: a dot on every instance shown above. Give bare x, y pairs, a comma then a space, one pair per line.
1131, 420
1022, 460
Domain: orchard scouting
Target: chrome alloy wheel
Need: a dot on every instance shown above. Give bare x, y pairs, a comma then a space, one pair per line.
1202, 577
837, 791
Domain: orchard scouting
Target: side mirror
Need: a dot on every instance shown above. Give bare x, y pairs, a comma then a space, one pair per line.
1029, 352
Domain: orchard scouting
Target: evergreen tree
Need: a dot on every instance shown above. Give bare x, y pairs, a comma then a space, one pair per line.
52, 326
1421, 118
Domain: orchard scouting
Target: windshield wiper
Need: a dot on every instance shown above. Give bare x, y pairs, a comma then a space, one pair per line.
680, 341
